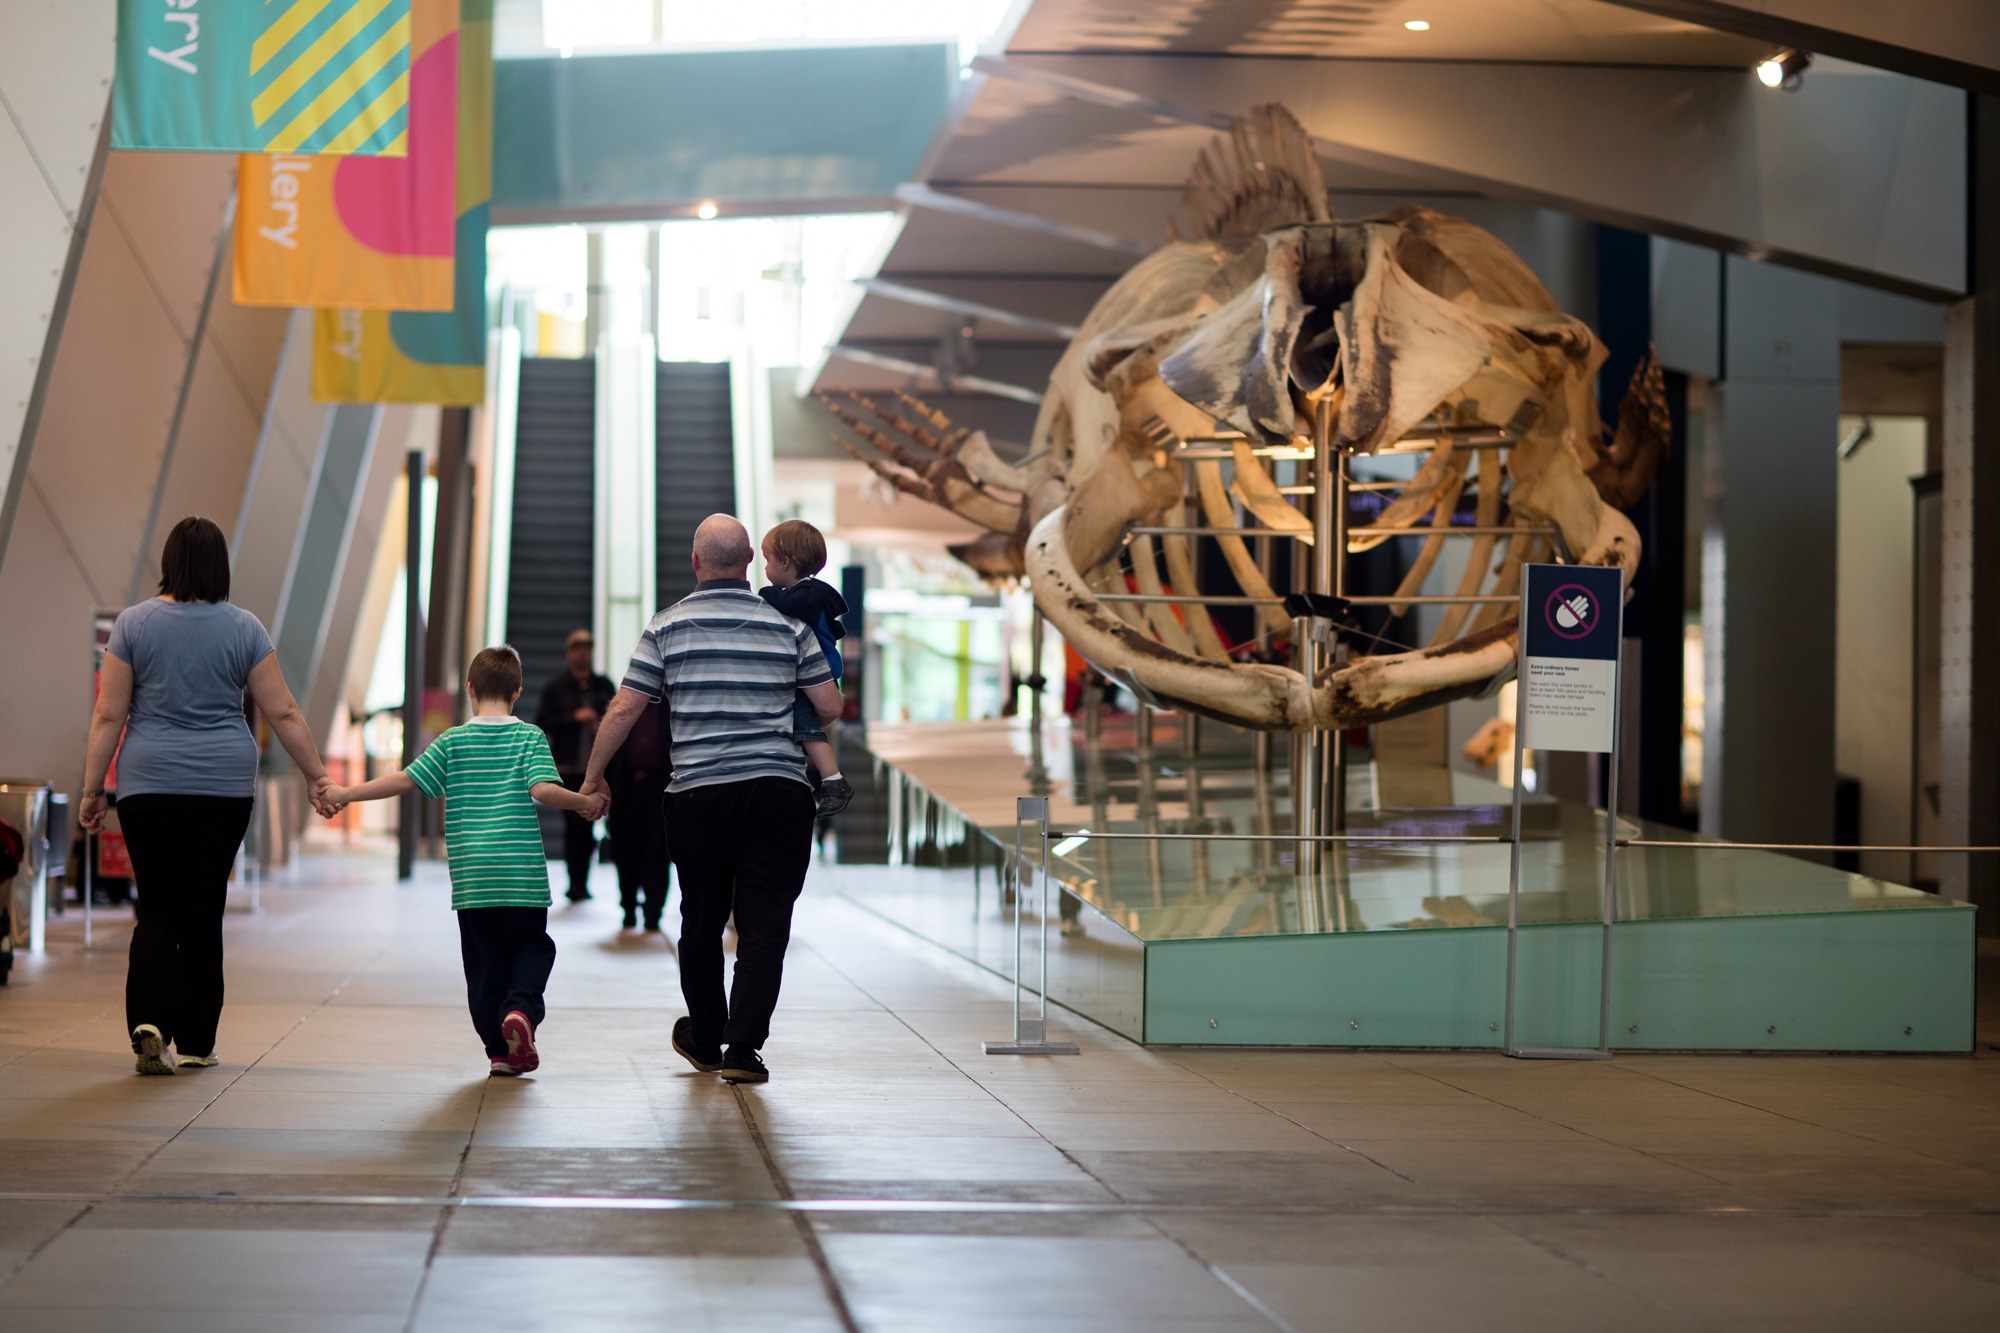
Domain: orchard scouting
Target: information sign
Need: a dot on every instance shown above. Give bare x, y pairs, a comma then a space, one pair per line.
1569, 657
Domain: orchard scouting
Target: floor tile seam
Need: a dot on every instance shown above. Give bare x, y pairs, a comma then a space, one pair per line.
1216, 1271
802, 1224
925, 1041
445, 1212
1061, 1151
1376, 1162
1583, 1264
244, 1072
839, 1206
1798, 1120
48, 1240
98, 1015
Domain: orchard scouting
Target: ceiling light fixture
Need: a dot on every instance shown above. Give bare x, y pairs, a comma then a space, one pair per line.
1785, 69
707, 210
1418, 25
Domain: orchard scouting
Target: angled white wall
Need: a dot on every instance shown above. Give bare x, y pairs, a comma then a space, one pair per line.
153, 403
55, 86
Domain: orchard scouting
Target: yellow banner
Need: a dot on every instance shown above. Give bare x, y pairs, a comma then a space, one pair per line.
367, 233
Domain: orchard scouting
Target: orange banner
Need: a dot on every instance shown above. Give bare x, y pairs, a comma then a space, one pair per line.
358, 232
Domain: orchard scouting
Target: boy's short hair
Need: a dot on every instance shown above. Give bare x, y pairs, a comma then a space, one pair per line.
800, 543
495, 673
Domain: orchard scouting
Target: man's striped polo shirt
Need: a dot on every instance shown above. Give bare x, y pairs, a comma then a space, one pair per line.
483, 770
730, 665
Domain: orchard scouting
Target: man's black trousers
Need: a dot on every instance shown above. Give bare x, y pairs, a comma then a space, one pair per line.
579, 845
638, 826
508, 957
740, 847
182, 850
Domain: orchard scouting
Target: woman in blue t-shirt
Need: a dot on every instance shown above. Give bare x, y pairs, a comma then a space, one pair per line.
172, 687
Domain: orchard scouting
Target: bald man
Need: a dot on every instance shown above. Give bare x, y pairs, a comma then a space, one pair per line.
728, 665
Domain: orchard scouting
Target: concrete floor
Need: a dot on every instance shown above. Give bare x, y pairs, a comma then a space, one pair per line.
349, 1166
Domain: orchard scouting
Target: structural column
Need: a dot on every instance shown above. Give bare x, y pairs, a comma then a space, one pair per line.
1772, 492
1969, 693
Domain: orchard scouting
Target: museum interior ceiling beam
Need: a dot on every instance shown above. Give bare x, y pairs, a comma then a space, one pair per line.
1858, 175
910, 366
1945, 41
919, 195
910, 294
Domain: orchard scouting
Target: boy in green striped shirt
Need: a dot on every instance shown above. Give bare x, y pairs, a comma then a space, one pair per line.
490, 773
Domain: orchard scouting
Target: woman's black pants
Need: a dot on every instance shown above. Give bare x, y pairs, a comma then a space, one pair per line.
182, 848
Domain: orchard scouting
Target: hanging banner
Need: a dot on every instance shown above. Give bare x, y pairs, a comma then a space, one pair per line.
285, 76
402, 356
1571, 623
367, 233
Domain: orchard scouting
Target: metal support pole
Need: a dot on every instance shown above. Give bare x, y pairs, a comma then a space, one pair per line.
1031, 1034
1610, 874
1037, 631
1514, 849
411, 808
89, 882
1142, 718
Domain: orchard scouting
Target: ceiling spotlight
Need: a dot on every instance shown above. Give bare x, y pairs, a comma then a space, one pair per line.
707, 210
1785, 69
1418, 25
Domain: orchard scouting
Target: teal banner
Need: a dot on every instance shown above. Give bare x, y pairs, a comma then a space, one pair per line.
326, 77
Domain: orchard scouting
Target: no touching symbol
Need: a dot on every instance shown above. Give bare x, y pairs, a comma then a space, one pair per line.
1571, 611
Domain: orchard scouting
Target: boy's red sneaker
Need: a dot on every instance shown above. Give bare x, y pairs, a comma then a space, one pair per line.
520, 1037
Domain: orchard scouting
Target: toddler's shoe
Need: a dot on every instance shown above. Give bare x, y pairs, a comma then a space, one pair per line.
833, 798
519, 1035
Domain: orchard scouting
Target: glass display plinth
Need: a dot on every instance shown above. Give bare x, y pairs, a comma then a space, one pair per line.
1403, 943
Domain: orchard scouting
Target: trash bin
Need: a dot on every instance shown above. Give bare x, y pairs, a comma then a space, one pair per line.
24, 803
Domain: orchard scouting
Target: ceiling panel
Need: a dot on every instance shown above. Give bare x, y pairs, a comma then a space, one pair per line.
1567, 31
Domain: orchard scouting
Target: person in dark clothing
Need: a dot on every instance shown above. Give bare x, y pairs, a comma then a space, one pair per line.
573, 701
794, 552
638, 778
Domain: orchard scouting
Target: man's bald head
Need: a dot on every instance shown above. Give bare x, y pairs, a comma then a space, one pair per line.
722, 548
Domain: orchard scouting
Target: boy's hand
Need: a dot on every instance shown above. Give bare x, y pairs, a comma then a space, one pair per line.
598, 809
330, 800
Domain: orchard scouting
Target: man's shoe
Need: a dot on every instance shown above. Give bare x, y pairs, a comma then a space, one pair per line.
741, 1066
519, 1034
150, 1047
833, 798
195, 1061
684, 1047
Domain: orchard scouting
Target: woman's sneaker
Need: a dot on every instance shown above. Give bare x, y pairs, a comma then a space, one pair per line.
519, 1034
195, 1062
150, 1047
504, 1069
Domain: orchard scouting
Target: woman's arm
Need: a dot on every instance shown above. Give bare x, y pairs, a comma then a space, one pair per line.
398, 783
562, 798
107, 724
274, 700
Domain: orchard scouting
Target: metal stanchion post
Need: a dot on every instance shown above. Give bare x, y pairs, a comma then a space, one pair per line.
89, 882
1031, 1034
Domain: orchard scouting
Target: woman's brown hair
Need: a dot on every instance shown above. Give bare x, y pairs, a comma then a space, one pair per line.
194, 567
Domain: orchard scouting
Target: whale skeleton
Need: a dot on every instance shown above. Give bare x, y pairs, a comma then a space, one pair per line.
1269, 328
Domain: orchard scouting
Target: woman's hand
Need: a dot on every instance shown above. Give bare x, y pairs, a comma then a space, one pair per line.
91, 813
327, 799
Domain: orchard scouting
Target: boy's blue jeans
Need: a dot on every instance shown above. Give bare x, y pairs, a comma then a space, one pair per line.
805, 721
